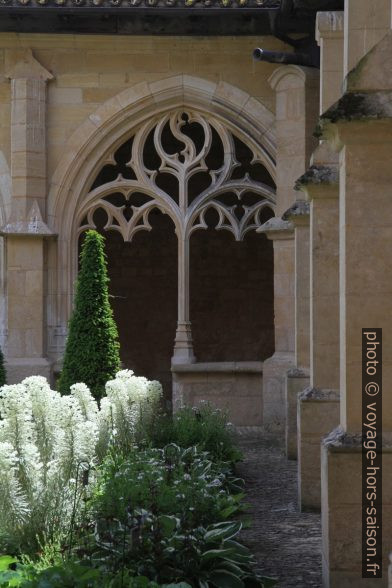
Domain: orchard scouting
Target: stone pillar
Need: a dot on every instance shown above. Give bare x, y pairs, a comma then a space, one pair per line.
298, 378
318, 405
296, 113
274, 369
360, 125
183, 344
366, 22
317, 410
25, 232
329, 36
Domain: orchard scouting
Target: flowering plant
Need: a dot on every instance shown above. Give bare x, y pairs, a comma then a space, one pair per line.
49, 445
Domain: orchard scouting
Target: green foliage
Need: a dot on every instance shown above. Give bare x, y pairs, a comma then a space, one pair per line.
204, 427
151, 515
92, 350
68, 574
3, 373
169, 481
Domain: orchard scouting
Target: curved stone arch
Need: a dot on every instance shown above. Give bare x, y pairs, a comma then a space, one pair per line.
118, 116
109, 126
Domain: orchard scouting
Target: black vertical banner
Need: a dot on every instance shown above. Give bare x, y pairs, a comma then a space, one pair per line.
372, 453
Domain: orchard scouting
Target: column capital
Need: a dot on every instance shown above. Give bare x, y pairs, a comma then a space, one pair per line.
21, 64
329, 25
277, 229
33, 226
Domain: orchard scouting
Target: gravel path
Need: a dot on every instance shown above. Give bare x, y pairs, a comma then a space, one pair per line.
286, 543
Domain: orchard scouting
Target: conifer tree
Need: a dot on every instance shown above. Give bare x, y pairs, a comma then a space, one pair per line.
3, 373
92, 349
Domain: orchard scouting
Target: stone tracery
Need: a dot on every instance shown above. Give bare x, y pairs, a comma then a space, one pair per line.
192, 138
183, 163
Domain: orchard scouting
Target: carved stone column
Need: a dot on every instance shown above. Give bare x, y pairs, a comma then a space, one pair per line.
25, 231
183, 345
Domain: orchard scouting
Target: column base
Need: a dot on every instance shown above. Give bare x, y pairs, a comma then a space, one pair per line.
318, 414
19, 368
341, 512
183, 345
274, 385
296, 381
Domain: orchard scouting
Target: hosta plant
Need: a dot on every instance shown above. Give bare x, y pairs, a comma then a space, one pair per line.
50, 445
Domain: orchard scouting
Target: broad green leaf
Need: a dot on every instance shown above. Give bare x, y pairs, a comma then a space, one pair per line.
227, 512
215, 554
168, 524
224, 579
222, 531
6, 561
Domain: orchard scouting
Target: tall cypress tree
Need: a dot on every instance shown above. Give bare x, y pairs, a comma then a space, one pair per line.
3, 373
92, 349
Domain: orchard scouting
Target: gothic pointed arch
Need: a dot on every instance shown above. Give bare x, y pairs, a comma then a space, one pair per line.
146, 112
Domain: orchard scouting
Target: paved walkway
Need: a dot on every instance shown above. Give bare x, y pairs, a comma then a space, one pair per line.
286, 543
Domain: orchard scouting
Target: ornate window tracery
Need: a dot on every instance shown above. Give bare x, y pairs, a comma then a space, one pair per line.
184, 164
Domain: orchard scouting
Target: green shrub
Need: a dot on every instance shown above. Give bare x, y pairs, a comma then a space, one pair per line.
3, 373
168, 481
204, 427
159, 513
92, 349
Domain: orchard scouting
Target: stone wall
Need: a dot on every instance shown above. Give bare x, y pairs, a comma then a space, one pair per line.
88, 70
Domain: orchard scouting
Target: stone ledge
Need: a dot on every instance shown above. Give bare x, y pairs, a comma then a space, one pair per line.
319, 394
339, 441
357, 106
277, 228
297, 373
255, 367
300, 208
317, 175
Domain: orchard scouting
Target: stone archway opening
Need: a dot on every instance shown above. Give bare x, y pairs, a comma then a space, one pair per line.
231, 295
186, 169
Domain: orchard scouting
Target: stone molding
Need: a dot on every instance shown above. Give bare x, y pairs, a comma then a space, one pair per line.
339, 441
329, 24
277, 228
252, 367
318, 175
298, 213
297, 373
302, 74
21, 64
319, 394
34, 226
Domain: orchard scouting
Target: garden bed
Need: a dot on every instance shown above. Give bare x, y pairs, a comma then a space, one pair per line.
118, 494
